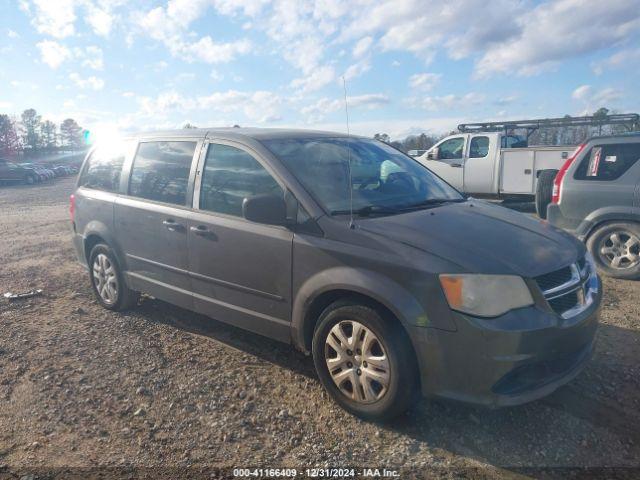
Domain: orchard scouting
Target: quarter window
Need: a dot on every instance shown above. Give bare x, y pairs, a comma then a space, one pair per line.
231, 175
161, 171
451, 149
103, 168
479, 147
608, 162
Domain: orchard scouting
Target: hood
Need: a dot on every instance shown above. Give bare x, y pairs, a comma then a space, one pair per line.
481, 238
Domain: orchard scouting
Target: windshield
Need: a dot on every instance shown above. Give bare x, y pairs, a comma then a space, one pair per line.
382, 177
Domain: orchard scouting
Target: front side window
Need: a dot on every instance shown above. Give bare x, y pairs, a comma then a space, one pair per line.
230, 175
608, 162
381, 176
103, 168
160, 171
479, 147
451, 149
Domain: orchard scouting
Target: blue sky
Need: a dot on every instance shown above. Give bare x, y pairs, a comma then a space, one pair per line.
410, 65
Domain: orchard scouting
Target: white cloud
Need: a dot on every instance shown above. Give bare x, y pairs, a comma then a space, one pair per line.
55, 18
101, 20
208, 51
93, 58
169, 25
357, 69
593, 99
12, 34
581, 92
5, 105
448, 102
52, 53
424, 81
317, 79
555, 31
93, 83
324, 106
629, 58
362, 47
216, 76
259, 106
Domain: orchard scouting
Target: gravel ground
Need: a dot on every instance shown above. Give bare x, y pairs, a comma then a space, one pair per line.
163, 387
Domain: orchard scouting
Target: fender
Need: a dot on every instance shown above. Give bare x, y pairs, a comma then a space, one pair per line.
606, 214
376, 286
95, 227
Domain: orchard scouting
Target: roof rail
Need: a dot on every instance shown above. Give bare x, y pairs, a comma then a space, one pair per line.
630, 120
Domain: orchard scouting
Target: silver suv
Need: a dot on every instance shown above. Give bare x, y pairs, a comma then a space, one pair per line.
348, 249
597, 196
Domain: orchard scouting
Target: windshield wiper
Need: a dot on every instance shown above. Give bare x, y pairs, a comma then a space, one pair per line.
432, 202
368, 210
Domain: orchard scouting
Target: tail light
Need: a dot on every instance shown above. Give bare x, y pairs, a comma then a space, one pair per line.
72, 207
557, 182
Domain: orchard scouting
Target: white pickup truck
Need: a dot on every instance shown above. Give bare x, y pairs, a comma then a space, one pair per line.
496, 165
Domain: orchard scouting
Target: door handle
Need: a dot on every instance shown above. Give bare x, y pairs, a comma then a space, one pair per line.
456, 165
201, 231
172, 226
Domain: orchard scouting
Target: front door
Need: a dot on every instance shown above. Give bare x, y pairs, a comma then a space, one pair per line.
450, 162
151, 220
241, 271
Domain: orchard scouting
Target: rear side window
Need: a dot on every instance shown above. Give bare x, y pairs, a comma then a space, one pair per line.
160, 171
103, 167
479, 147
231, 175
608, 162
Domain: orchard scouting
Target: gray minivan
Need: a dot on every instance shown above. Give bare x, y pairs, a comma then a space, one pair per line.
597, 196
348, 249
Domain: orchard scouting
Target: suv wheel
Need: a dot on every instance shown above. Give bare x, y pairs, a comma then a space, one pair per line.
107, 280
616, 249
544, 191
364, 361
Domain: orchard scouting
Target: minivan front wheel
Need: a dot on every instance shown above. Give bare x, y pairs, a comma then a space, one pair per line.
107, 280
616, 249
365, 361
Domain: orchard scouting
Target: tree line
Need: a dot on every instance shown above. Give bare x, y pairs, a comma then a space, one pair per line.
30, 135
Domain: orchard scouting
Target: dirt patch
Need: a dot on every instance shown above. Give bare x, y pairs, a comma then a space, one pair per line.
160, 386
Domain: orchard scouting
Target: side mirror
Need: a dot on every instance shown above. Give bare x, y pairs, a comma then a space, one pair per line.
268, 209
433, 154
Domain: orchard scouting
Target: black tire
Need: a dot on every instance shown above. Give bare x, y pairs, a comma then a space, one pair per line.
403, 385
601, 239
125, 297
544, 191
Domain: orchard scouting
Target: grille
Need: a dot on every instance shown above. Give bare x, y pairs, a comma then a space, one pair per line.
564, 303
554, 279
561, 287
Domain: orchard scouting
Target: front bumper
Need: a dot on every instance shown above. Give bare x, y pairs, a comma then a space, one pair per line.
519, 357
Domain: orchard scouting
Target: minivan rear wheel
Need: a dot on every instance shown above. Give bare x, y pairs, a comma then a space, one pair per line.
616, 249
107, 280
365, 361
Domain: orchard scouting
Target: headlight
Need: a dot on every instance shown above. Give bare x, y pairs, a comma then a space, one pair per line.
485, 295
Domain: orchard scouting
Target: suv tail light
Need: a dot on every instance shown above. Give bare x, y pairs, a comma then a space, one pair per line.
557, 182
72, 207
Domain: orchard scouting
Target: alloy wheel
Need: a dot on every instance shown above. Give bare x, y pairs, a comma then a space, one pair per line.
620, 249
357, 361
106, 280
